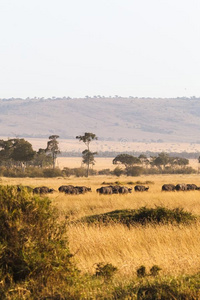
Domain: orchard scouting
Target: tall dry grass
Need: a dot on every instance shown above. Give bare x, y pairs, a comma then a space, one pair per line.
176, 249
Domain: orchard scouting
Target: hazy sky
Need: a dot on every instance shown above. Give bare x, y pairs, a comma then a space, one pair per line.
99, 47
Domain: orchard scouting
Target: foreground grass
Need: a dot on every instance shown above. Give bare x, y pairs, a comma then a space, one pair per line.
175, 249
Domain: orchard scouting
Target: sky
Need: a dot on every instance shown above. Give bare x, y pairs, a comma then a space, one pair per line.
138, 48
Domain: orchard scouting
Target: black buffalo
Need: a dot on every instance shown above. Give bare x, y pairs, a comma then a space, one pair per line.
141, 188
106, 190
181, 187
42, 190
168, 187
191, 187
125, 190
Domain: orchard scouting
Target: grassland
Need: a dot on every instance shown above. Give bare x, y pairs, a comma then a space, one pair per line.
176, 249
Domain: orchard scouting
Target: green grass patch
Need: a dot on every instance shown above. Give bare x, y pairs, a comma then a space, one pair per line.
143, 216
184, 288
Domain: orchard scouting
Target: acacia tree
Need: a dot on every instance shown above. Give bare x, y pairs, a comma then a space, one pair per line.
52, 147
126, 159
87, 155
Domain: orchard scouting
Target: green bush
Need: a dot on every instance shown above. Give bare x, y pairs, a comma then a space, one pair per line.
104, 172
34, 252
135, 171
118, 171
183, 288
155, 270
52, 173
141, 271
143, 216
106, 271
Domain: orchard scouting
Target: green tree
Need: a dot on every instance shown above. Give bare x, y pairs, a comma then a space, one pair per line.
144, 160
42, 159
52, 147
162, 160
87, 155
6, 149
126, 159
22, 151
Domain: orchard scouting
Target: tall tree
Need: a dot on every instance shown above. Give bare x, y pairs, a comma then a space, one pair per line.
52, 147
42, 159
22, 151
87, 155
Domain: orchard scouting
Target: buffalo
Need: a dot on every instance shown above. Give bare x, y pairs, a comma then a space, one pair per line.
83, 189
191, 187
107, 190
42, 190
181, 187
116, 189
124, 190
141, 188
168, 187
64, 188
74, 190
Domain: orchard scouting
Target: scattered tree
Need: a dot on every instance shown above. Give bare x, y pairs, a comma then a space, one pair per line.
52, 147
126, 159
87, 155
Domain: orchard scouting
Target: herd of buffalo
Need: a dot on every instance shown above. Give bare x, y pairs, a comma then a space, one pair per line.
111, 189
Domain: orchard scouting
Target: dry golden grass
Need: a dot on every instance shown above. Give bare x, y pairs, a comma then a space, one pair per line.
176, 249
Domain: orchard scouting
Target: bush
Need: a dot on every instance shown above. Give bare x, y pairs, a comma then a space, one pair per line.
34, 250
141, 271
155, 270
135, 171
183, 288
106, 271
104, 172
118, 171
143, 216
52, 173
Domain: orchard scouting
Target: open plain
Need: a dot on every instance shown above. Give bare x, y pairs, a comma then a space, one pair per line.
175, 249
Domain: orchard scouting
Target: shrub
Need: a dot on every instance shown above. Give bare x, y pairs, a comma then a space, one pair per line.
118, 171
141, 271
107, 271
135, 171
155, 270
67, 172
52, 172
183, 288
143, 216
104, 172
34, 250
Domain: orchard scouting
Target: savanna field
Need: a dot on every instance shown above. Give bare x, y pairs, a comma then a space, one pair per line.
175, 249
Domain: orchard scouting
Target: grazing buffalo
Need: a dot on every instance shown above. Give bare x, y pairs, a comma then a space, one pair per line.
124, 190
141, 188
168, 187
115, 189
42, 190
181, 187
106, 190
191, 187
70, 189
63, 188
83, 189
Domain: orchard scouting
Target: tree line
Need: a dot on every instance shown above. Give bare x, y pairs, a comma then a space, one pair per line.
18, 153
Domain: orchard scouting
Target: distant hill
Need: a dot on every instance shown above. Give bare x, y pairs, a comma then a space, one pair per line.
131, 119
